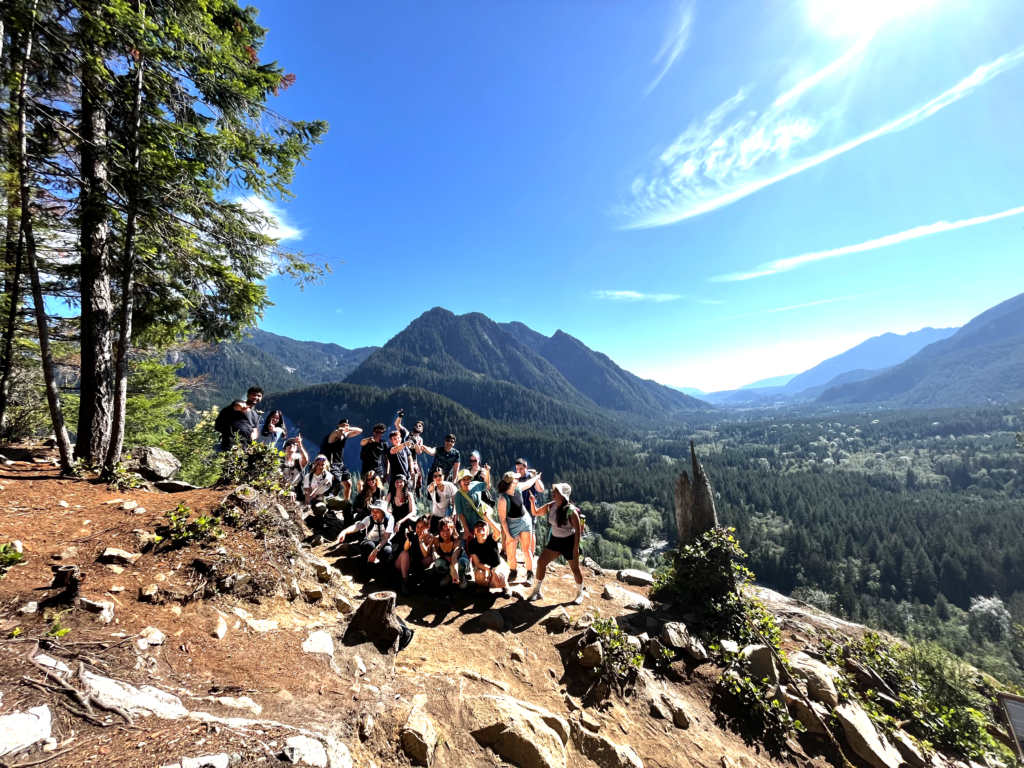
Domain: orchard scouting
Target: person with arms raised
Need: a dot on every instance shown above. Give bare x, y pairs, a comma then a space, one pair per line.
516, 522
446, 459
372, 451
333, 447
414, 439
481, 472
400, 457
235, 424
295, 461
441, 494
564, 541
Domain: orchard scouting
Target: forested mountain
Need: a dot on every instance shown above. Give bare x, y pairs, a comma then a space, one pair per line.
600, 379
980, 363
222, 372
883, 351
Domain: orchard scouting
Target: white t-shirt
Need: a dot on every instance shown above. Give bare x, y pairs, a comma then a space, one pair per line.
441, 499
375, 530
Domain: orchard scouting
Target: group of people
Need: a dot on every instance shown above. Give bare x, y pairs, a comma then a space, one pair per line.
468, 531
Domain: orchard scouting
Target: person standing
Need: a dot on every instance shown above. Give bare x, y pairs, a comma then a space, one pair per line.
333, 447
235, 424
400, 457
274, 431
373, 451
564, 540
446, 459
416, 447
442, 496
253, 397
295, 461
516, 524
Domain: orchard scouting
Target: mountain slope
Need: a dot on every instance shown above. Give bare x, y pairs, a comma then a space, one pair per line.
980, 363
311, 361
599, 378
883, 351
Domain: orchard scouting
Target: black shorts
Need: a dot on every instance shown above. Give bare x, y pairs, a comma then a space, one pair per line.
563, 545
340, 473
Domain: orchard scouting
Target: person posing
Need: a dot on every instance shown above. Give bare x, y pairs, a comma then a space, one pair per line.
446, 459
373, 451
417, 554
489, 570
253, 397
564, 541
371, 492
516, 523
316, 483
295, 461
450, 554
416, 447
377, 529
400, 501
441, 494
400, 456
333, 447
471, 502
274, 431
481, 472
235, 424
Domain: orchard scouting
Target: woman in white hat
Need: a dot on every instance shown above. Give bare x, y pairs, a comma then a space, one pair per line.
566, 529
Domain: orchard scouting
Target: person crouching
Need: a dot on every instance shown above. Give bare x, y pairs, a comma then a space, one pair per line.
489, 570
377, 530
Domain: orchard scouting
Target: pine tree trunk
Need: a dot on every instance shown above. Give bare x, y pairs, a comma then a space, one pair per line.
52, 398
13, 245
97, 367
127, 280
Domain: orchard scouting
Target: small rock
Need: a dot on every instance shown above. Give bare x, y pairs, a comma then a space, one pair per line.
729, 646
419, 737
635, 643
626, 598
153, 636
129, 505
103, 608
22, 729
261, 625
366, 726
116, 589
173, 486
313, 594
323, 572
909, 750
818, 676
675, 635
311, 751
68, 553
492, 620
206, 761
680, 717
518, 654
585, 621
592, 655
558, 621
18, 547
114, 555
603, 751
571, 704
221, 628
30, 607
117, 569
588, 722
149, 593
343, 605
636, 577
145, 538
63, 504
864, 739
358, 666
319, 642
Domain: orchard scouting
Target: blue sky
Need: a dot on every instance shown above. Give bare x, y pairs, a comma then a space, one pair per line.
708, 192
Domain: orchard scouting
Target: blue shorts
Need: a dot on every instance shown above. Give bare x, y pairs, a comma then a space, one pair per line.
518, 525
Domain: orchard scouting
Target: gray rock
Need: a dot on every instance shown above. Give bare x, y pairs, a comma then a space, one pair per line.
680, 717
103, 609
585, 620
635, 643
729, 646
592, 655
909, 750
68, 553
18, 547
174, 486
149, 593
222, 760
675, 635
761, 663
22, 729
30, 607
492, 620
635, 577
558, 621
865, 741
313, 594
154, 463
820, 678
343, 605
307, 751
520, 733
419, 737
626, 598
145, 538
604, 752
655, 649
119, 556
319, 642
589, 722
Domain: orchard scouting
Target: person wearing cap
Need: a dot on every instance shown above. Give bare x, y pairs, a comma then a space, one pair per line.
471, 502
481, 472
315, 485
417, 550
371, 492
378, 526
516, 522
442, 495
564, 541
333, 447
489, 570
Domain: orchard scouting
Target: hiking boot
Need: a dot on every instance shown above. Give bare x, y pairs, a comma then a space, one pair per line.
405, 588
512, 575
529, 579
463, 582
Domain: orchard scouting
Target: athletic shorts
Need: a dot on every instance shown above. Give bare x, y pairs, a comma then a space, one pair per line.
563, 545
518, 525
340, 473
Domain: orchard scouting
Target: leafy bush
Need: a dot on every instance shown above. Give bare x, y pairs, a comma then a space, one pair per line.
196, 449
766, 713
184, 528
620, 660
257, 465
119, 479
9, 557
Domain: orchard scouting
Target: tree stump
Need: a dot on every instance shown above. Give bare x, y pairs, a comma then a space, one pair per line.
375, 620
695, 503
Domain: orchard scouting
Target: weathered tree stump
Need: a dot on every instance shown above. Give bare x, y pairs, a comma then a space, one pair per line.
695, 503
375, 620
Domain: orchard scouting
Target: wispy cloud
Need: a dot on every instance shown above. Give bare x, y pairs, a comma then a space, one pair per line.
676, 39
801, 306
784, 265
277, 220
716, 162
636, 296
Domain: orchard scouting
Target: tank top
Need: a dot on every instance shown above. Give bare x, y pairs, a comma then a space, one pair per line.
441, 547
400, 511
562, 531
514, 506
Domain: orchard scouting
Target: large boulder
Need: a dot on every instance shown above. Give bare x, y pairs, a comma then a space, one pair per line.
604, 752
761, 663
820, 678
154, 464
636, 577
174, 486
626, 598
419, 737
865, 741
516, 731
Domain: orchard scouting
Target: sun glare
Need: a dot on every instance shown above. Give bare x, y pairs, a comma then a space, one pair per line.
844, 18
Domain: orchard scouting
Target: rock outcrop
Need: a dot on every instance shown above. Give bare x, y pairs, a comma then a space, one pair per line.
517, 732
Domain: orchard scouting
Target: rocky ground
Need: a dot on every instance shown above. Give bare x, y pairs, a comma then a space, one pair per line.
232, 652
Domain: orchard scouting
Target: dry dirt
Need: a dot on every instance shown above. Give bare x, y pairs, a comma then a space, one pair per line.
293, 687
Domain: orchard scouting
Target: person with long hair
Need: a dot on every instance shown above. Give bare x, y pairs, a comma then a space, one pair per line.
516, 523
417, 553
274, 431
484, 551
315, 485
564, 541
295, 461
372, 491
480, 472
450, 554
401, 502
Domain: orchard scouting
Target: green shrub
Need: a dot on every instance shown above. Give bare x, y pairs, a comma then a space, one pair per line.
257, 465
9, 557
767, 715
620, 660
184, 528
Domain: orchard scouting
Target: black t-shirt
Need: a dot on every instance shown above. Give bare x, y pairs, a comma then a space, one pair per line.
486, 553
236, 426
335, 452
372, 455
399, 462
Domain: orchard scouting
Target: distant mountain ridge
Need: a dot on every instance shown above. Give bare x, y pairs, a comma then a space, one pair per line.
983, 362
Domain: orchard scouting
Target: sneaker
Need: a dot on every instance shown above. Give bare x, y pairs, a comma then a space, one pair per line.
529, 578
513, 575
579, 597
535, 596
